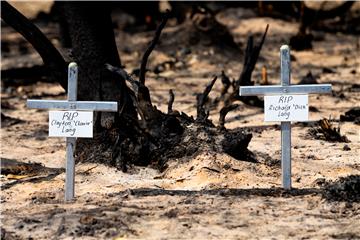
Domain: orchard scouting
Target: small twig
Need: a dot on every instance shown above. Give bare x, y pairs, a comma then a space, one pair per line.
223, 112
226, 83
89, 169
171, 101
207, 91
202, 115
151, 47
263, 37
32, 179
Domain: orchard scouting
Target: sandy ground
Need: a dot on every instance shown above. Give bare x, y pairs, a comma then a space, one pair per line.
207, 196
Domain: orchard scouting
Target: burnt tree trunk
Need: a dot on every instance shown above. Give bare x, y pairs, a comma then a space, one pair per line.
93, 46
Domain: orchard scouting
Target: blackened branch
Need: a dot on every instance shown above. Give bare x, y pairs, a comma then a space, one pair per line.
141, 92
226, 84
54, 62
171, 101
251, 56
151, 47
123, 74
223, 112
134, 85
202, 98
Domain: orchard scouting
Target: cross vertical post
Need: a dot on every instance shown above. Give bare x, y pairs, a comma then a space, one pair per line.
71, 141
285, 126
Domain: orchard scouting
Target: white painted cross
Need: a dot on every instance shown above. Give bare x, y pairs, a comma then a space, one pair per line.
286, 104
71, 123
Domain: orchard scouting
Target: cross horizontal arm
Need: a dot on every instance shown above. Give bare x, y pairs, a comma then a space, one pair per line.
278, 89
73, 105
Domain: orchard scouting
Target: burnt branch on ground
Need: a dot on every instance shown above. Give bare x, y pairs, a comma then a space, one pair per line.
345, 189
326, 131
9, 121
352, 115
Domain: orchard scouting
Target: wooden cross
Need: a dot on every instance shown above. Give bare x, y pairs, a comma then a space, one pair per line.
285, 89
72, 104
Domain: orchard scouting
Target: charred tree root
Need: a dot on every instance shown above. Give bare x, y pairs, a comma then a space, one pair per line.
155, 139
159, 137
202, 113
223, 112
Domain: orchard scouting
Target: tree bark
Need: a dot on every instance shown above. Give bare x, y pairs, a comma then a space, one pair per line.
93, 46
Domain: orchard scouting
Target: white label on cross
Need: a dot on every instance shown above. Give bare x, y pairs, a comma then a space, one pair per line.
286, 108
71, 124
